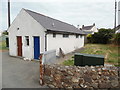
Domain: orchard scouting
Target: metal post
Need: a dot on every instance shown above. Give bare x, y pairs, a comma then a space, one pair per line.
8, 13
115, 15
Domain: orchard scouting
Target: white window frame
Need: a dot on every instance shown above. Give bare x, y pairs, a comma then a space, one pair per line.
27, 41
65, 35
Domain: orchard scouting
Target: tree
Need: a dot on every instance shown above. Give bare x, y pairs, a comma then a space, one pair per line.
5, 33
103, 36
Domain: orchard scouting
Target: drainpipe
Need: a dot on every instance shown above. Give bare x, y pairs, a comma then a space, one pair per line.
45, 41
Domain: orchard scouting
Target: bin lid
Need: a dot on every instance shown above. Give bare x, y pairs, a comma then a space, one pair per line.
79, 54
90, 55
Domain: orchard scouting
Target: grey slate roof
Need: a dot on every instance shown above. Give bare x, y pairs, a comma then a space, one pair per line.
53, 24
87, 27
88, 32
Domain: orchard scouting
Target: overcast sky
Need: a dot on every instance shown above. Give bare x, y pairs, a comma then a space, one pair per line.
76, 12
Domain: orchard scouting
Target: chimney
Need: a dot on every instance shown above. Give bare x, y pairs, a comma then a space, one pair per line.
82, 26
78, 26
93, 24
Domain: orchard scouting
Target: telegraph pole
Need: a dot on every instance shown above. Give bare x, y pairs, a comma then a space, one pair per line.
7, 39
8, 13
115, 15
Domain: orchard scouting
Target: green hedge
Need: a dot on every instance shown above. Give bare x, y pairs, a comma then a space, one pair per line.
103, 36
116, 39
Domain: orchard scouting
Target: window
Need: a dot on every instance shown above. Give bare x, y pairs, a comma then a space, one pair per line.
65, 35
80, 36
54, 35
77, 36
27, 40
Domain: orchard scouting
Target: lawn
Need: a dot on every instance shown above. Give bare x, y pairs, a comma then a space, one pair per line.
3, 44
110, 53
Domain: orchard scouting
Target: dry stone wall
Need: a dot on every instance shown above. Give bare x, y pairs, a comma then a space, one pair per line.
58, 76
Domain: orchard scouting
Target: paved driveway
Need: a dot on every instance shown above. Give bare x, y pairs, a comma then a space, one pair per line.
17, 73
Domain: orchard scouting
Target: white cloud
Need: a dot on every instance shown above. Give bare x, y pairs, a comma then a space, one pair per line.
79, 12
60, 0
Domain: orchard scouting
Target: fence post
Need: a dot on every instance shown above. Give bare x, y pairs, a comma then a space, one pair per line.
41, 70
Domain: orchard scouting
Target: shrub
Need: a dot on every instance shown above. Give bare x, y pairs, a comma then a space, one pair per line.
103, 36
116, 39
5, 33
89, 37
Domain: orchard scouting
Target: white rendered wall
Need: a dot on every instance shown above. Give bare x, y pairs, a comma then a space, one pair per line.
27, 27
94, 29
0, 33
119, 13
66, 44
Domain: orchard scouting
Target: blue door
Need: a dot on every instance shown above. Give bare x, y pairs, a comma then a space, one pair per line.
36, 47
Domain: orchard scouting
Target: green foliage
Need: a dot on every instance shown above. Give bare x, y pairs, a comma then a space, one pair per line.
117, 65
116, 39
103, 36
109, 51
89, 37
3, 43
5, 33
68, 62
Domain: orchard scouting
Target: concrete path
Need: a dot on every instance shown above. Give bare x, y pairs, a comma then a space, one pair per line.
68, 56
17, 73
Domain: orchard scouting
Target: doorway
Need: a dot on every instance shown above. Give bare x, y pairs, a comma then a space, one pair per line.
19, 45
36, 47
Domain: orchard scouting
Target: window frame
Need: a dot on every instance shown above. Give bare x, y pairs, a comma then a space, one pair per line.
54, 35
80, 36
77, 36
65, 35
27, 41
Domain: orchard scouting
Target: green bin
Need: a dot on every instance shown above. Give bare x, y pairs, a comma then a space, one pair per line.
78, 59
88, 59
93, 60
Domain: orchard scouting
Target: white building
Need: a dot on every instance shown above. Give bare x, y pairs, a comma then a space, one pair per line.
89, 29
32, 33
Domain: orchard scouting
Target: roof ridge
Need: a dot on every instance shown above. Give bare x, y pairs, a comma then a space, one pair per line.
89, 26
49, 17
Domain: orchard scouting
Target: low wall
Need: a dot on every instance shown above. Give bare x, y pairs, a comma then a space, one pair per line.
49, 57
57, 76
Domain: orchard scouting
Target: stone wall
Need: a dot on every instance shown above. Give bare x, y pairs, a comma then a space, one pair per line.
58, 76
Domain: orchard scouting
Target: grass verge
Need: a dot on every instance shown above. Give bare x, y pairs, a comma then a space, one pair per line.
3, 45
110, 53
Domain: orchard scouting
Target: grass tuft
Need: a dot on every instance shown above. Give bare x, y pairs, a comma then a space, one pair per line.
110, 53
68, 62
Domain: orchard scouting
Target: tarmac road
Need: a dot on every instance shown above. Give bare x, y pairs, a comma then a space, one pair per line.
17, 73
